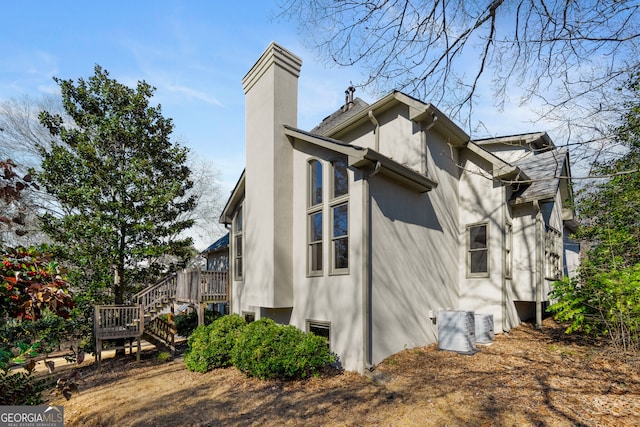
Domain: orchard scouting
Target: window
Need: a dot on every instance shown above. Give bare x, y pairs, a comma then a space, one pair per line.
322, 329
340, 236
508, 241
339, 206
340, 179
238, 249
249, 316
552, 251
315, 183
315, 219
478, 250
315, 242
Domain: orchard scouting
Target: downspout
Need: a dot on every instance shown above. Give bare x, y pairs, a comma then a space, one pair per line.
538, 261
505, 323
376, 132
366, 269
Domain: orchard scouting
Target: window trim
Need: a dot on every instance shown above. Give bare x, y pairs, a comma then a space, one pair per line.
238, 234
333, 179
312, 210
323, 324
552, 253
334, 202
469, 250
335, 270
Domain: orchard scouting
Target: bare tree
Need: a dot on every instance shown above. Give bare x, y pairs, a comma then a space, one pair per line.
20, 136
207, 192
571, 57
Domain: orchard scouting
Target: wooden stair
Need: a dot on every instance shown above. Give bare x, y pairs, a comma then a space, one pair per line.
141, 320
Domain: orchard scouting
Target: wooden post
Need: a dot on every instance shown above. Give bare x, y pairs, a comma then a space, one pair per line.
200, 314
172, 325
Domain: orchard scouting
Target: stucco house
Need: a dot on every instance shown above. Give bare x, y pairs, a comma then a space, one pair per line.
364, 227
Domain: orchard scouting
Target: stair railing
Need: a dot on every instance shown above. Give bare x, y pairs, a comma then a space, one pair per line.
163, 291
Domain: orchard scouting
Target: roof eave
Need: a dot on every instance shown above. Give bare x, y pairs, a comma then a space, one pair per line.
236, 196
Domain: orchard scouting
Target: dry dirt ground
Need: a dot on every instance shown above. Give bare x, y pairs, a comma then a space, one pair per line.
525, 378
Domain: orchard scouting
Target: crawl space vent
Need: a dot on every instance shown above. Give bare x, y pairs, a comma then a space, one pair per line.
456, 331
484, 328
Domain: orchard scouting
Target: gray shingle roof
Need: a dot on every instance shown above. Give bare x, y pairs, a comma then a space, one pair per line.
545, 170
339, 116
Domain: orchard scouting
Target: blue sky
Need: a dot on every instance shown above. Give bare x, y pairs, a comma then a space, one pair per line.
194, 52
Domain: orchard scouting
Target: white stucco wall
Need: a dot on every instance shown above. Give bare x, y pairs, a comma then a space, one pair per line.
482, 201
271, 89
332, 298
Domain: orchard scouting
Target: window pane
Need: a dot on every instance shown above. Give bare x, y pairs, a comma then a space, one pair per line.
341, 253
315, 227
315, 183
316, 257
478, 237
238, 246
320, 330
239, 220
478, 261
340, 179
340, 221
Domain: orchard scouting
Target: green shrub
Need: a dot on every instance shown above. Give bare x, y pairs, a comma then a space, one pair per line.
210, 346
22, 388
602, 304
268, 350
187, 323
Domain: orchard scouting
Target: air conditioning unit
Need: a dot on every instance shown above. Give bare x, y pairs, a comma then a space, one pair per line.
484, 328
456, 331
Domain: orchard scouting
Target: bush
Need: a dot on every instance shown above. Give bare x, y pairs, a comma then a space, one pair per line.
268, 350
21, 388
210, 346
187, 323
602, 304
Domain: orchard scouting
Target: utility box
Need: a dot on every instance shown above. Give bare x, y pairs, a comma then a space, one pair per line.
484, 328
456, 331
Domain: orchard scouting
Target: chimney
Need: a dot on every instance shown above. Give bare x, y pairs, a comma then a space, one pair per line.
348, 97
271, 101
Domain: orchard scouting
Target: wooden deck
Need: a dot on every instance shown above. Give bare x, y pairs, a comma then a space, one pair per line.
117, 322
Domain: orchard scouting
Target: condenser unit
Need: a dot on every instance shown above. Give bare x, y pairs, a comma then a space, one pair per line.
484, 328
456, 331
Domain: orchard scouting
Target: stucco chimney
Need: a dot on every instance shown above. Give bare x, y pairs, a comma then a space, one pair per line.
271, 98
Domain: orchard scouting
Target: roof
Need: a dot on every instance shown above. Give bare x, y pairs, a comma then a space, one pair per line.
341, 121
339, 116
367, 159
538, 140
544, 171
221, 243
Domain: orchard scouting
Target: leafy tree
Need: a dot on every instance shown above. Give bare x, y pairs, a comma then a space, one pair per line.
610, 207
605, 298
121, 183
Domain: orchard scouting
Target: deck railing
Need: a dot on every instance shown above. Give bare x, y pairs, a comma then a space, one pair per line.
214, 286
117, 321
